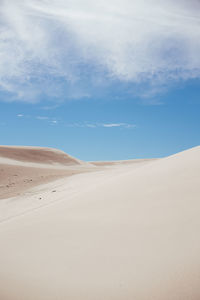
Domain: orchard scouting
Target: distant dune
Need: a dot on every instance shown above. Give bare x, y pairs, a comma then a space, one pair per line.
129, 231
135, 162
38, 155
22, 168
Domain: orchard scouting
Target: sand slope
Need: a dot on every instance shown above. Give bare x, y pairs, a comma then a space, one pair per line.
37, 155
132, 235
22, 168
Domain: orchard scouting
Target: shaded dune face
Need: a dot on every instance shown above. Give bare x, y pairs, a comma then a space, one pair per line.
37, 155
34, 166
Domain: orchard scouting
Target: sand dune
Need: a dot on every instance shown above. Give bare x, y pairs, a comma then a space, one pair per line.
38, 155
135, 162
22, 168
122, 233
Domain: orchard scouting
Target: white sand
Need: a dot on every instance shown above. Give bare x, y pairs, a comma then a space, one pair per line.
124, 232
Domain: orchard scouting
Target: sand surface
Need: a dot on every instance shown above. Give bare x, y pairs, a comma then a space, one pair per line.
22, 168
117, 231
15, 180
37, 155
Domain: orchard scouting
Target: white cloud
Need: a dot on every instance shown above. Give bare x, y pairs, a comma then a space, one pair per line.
42, 118
124, 125
112, 125
85, 124
42, 41
105, 125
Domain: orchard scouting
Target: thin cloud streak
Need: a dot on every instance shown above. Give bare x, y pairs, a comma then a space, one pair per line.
45, 42
103, 125
85, 124
124, 125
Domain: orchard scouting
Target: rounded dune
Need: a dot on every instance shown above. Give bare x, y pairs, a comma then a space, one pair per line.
38, 155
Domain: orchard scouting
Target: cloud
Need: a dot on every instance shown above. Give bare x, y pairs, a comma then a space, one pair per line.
50, 107
42, 118
96, 125
85, 124
125, 125
112, 125
50, 47
91, 125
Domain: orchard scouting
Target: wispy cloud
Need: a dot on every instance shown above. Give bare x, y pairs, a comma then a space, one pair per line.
48, 119
91, 125
97, 125
50, 107
86, 124
124, 125
50, 47
111, 125
42, 118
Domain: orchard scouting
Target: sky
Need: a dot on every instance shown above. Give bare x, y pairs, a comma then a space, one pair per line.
101, 81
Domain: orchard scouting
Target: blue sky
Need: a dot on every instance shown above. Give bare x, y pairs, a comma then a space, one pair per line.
119, 80
100, 129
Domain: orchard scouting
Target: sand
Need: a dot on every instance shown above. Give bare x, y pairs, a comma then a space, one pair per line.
15, 180
22, 168
38, 155
121, 231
